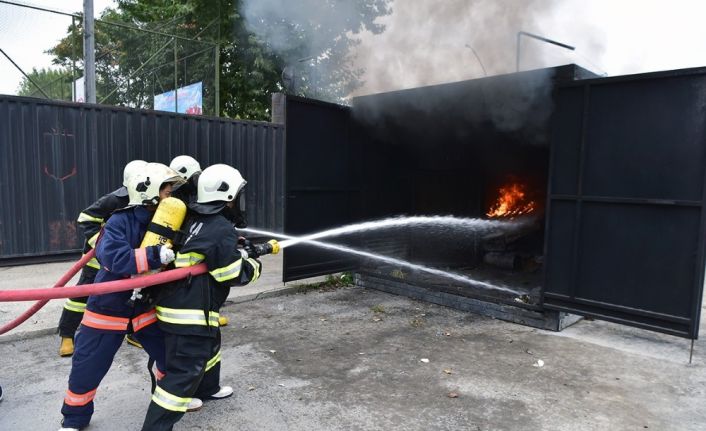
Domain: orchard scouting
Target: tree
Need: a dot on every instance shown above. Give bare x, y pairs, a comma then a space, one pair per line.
132, 65
56, 83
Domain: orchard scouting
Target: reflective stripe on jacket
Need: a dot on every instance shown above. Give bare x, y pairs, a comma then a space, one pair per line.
191, 307
75, 306
92, 218
187, 317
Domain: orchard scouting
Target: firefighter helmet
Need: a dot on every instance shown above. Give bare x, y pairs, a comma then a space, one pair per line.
131, 169
186, 166
144, 187
219, 183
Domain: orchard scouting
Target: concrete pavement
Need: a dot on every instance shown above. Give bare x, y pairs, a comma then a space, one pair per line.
352, 359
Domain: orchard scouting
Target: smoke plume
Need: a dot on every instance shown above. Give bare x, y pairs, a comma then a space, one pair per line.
429, 42
315, 38
338, 50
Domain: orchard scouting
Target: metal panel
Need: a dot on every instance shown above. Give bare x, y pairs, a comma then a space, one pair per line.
57, 158
625, 230
322, 186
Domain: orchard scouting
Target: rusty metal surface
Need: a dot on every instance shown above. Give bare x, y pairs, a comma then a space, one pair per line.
56, 158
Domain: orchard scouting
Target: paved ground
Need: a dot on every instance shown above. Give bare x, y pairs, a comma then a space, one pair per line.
329, 361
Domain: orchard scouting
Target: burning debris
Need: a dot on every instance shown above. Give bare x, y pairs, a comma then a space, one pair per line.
512, 201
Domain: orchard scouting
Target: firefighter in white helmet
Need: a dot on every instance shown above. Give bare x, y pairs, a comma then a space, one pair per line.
109, 317
91, 220
188, 312
189, 169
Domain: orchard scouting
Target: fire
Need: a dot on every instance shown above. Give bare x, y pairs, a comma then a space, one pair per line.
512, 201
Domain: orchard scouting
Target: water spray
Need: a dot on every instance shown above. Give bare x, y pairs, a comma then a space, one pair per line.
291, 240
394, 222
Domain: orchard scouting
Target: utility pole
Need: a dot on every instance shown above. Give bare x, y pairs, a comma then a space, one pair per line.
89, 52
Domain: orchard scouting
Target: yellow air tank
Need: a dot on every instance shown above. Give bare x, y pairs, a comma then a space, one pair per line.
169, 216
166, 220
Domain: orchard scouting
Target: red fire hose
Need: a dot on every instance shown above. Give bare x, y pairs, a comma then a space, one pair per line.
39, 304
44, 295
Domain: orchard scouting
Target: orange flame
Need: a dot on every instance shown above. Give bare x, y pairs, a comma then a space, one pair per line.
511, 202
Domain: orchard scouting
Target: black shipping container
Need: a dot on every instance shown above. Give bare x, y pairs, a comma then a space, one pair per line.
57, 158
618, 165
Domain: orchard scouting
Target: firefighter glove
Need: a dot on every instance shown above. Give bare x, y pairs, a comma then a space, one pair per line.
244, 253
166, 255
252, 250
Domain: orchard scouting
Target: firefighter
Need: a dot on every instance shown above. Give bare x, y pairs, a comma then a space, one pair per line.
187, 312
189, 169
109, 317
91, 220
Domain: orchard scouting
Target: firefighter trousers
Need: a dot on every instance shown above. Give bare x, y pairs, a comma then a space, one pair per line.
193, 369
95, 349
73, 310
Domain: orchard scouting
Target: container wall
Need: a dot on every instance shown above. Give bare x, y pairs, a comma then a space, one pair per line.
57, 158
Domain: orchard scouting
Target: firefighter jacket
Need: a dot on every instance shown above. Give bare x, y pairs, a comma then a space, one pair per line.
120, 257
92, 218
190, 307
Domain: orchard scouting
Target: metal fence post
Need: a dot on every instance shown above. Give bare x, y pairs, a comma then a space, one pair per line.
176, 65
217, 102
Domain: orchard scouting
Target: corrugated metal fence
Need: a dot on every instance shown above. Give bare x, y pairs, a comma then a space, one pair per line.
57, 158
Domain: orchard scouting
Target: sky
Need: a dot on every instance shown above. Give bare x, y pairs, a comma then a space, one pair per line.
25, 34
425, 41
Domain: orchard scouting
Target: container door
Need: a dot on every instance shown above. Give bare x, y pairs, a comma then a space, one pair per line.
321, 184
625, 229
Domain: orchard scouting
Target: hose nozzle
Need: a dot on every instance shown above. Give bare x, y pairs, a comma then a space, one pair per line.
269, 247
275, 246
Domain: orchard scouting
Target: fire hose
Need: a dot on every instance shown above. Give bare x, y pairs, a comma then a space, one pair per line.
44, 295
39, 304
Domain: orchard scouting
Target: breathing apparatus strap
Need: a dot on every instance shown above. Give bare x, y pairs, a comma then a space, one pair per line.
153, 379
161, 230
176, 236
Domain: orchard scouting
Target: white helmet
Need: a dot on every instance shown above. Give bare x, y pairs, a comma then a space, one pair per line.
143, 188
131, 169
186, 166
219, 183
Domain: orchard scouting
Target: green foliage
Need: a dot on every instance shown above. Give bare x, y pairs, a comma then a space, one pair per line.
379, 308
333, 281
314, 38
251, 68
56, 83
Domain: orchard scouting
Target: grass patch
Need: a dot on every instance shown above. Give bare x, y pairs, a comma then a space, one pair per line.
332, 282
416, 322
377, 309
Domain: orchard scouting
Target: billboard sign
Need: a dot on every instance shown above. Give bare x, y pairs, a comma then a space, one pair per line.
189, 100
78, 90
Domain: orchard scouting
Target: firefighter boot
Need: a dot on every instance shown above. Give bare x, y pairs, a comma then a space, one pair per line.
222, 320
66, 348
194, 405
224, 392
63, 428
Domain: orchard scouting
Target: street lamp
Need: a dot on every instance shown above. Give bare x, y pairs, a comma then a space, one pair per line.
543, 39
477, 58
